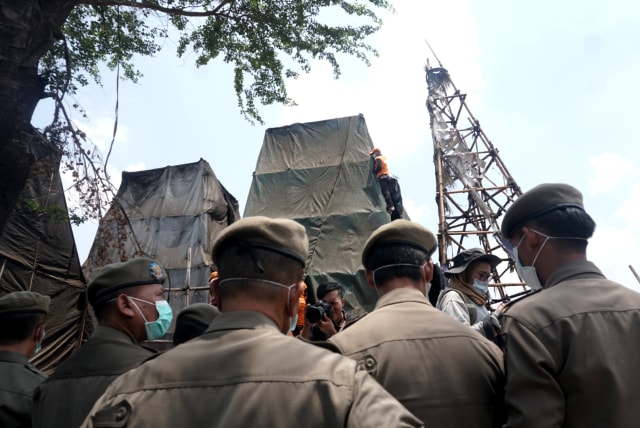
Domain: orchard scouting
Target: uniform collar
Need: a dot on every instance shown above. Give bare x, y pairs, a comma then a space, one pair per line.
401, 295
105, 332
241, 320
13, 357
573, 270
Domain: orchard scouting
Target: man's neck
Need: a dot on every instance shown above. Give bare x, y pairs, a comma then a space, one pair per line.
23, 348
398, 283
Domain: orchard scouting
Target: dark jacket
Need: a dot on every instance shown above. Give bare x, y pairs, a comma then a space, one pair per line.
573, 353
66, 397
18, 380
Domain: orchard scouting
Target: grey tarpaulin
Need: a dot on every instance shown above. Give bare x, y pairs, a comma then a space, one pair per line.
172, 215
320, 174
38, 253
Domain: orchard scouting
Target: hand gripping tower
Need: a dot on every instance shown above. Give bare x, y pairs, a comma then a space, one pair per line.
473, 186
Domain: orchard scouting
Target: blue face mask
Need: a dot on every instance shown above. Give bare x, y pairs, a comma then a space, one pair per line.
158, 328
294, 322
481, 286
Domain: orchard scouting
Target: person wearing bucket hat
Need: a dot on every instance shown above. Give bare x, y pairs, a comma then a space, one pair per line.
442, 371
388, 184
572, 349
250, 370
127, 299
22, 321
467, 292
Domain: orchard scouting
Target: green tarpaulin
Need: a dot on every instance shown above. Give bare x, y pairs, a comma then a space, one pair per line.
320, 174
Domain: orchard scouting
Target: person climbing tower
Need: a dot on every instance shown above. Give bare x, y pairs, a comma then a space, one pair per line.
388, 185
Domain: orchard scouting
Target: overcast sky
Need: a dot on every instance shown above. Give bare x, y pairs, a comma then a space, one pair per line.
554, 85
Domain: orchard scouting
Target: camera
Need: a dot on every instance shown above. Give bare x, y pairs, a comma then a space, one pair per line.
315, 312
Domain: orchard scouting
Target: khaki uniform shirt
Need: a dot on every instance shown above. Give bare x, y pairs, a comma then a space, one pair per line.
243, 372
18, 380
445, 373
573, 353
65, 399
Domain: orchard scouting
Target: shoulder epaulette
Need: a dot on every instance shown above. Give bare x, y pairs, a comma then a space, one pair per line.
512, 302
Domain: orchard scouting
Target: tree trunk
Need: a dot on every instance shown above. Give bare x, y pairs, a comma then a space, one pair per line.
28, 28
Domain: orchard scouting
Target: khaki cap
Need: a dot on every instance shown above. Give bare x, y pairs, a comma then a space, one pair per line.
401, 232
538, 201
116, 276
280, 235
24, 301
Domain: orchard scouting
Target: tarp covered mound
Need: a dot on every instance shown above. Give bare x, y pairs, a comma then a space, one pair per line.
321, 175
38, 253
171, 215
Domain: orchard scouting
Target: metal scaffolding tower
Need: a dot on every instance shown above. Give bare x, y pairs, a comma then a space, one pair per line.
473, 186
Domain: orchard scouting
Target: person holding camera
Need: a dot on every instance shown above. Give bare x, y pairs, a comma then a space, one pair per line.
326, 317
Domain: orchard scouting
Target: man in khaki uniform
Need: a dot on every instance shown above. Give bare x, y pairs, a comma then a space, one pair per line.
244, 370
572, 353
22, 320
443, 372
129, 304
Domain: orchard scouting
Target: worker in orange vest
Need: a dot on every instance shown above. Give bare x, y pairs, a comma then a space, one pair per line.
388, 184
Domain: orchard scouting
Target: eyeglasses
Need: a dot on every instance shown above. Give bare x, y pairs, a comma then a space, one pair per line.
483, 276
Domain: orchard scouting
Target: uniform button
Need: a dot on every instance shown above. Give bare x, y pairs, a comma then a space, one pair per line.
369, 363
121, 413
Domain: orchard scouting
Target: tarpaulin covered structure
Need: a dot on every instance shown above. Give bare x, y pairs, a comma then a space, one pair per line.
171, 215
320, 174
38, 253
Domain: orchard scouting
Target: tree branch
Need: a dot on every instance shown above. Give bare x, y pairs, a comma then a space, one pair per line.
153, 6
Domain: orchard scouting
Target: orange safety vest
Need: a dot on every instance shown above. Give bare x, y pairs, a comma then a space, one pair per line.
381, 163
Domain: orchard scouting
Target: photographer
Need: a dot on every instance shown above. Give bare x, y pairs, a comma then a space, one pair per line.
326, 317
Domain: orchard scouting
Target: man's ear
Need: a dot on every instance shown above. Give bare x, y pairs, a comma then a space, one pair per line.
39, 333
532, 240
294, 297
427, 269
215, 293
125, 306
368, 274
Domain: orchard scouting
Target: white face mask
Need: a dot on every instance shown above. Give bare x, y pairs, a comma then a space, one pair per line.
428, 284
294, 319
481, 286
528, 273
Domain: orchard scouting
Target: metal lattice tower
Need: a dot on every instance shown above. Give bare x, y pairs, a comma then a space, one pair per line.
473, 186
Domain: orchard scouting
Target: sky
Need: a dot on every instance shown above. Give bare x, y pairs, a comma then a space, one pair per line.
553, 84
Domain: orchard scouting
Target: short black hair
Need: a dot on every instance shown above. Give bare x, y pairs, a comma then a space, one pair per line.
238, 261
567, 222
16, 327
393, 254
327, 287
